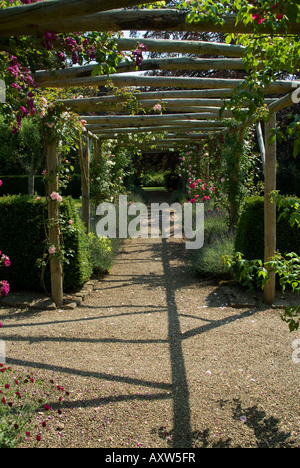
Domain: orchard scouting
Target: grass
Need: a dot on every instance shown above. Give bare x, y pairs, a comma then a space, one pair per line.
154, 189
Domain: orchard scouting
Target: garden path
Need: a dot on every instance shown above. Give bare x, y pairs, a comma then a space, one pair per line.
156, 358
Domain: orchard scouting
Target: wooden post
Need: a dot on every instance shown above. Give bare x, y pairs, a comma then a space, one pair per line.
53, 218
85, 180
270, 207
261, 144
234, 201
98, 155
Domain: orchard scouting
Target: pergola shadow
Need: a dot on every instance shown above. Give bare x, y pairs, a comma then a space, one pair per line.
177, 391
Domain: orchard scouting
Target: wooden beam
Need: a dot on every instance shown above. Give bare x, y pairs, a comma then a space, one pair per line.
109, 132
56, 270
182, 47
120, 20
104, 103
120, 80
144, 119
278, 104
270, 207
285, 101
157, 127
278, 87
174, 136
166, 64
23, 16
141, 120
147, 100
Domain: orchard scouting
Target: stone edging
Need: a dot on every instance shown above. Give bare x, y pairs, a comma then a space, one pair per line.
26, 300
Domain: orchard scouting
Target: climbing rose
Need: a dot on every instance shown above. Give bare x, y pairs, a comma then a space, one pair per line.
52, 250
157, 107
4, 288
56, 196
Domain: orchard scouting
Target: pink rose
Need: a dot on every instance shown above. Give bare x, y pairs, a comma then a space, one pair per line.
55, 196
52, 250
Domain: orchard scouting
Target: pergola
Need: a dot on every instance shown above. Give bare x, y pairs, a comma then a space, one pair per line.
190, 104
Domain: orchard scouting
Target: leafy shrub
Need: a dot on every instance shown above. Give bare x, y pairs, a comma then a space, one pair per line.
250, 231
23, 233
209, 259
217, 243
172, 180
18, 185
153, 180
101, 252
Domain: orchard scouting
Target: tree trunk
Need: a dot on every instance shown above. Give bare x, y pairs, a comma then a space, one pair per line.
31, 183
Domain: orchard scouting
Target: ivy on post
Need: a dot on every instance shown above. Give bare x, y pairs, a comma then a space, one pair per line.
56, 268
270, 206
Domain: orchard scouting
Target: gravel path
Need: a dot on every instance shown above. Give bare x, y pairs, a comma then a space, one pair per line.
155, 358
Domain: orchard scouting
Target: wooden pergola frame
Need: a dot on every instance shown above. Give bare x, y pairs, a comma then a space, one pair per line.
193, 106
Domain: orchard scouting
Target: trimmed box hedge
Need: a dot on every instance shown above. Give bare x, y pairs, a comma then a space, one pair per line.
18, 185
250, 231
22, 237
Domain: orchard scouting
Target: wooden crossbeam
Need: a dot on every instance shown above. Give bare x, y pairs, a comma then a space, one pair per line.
278, 87
173, 138
182, 47
181, 124
167, 64
19, 17
151, 119
103, 103
115, 131
148, 100
34, 20
286, 101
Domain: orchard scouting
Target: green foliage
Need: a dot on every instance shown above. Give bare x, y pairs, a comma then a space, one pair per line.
113, 166
30, 145
255, 273
207, 261
23, 233
250, 230
25, 411
18, 185
101, 252
154, 179
171, 180
266, 56
250, 273
291, 316
288, 269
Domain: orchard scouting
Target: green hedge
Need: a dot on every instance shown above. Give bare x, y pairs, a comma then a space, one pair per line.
18, 185
250, 231
22, 238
